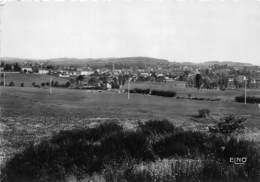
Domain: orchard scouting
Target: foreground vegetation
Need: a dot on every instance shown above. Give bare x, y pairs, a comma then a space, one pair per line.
151, 151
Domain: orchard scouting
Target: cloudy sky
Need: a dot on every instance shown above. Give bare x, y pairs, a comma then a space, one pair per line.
189, 30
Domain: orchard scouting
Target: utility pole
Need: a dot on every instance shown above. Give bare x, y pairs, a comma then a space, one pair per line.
4, 79
128, 94
245, 87
50, 86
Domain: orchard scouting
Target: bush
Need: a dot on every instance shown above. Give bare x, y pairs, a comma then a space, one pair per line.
228, 124
139, 91
114, 152
163, 93
127, 144
42, 84
156, 127
183, 144
203, 113
67, 84
11, 84
249, 99
22, 84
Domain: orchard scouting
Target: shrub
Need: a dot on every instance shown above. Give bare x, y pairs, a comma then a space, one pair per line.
203, 113
127, 144
67, 84
22, 84
163, 93
11, 84
184, 144
42, 84
142, 91
155, 127
139, 91
249, 99
228, 124
115, 152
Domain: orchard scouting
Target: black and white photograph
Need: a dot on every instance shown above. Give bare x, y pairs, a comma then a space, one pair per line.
129, 90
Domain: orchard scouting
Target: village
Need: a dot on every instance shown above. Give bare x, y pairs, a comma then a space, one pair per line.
114, 75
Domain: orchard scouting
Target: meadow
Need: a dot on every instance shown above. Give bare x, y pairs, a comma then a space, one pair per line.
35, 102
28, 79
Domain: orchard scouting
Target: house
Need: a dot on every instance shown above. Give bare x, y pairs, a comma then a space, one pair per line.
26, 69
85, 72
257, 81
43, 71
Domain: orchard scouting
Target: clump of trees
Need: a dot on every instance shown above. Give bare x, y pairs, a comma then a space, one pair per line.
8, 67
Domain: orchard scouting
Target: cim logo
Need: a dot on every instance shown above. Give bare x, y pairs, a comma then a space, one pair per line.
238, 160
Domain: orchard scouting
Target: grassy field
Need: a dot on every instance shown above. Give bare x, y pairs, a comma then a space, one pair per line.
35, 102
28, 79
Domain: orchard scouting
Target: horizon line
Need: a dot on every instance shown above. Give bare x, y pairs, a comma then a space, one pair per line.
100, 58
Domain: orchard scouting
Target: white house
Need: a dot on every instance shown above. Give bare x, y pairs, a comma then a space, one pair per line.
42, 71
26, 69
86, 73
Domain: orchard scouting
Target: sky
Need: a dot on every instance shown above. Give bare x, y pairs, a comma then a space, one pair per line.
177, 30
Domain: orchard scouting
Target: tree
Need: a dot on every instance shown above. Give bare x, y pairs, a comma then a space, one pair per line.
8, 67
223, 82
17, 67
56, 84
79, 79
198, 81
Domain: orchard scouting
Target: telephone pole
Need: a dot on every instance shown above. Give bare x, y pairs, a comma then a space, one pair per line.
50, 86
128, 94
245, 79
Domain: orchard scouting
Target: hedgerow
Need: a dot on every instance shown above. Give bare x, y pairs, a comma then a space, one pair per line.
249, 99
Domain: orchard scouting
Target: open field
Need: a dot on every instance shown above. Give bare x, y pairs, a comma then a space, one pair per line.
36, 102
28, 79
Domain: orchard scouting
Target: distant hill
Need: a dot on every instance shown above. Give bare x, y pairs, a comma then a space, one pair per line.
130, 61
101, 61
229, 63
